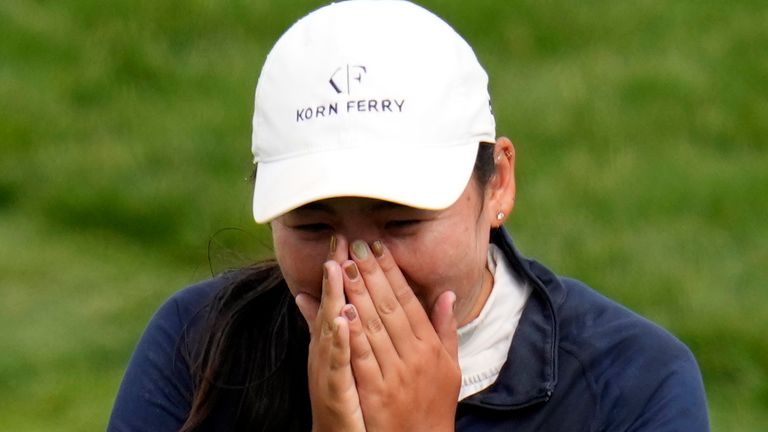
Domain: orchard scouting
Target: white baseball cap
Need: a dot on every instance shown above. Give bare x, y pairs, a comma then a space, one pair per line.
368, 98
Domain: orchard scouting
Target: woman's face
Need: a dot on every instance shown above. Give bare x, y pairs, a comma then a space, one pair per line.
436, 250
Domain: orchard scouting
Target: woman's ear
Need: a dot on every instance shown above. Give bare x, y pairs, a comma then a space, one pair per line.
500, 192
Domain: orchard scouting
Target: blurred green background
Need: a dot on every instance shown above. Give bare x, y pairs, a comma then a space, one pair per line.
640, 129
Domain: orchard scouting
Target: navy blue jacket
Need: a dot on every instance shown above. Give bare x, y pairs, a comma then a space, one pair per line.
578, 362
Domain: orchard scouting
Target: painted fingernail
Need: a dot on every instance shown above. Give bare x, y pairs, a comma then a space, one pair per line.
377, 248
327, 328
360, 249
332, 247
351, 271
350, 313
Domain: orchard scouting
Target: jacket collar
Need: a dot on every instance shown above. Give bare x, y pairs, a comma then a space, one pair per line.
530, 373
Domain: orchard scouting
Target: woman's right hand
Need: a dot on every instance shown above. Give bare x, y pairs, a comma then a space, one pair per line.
332, 391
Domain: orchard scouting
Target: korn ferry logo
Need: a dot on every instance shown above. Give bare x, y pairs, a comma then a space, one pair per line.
343, 80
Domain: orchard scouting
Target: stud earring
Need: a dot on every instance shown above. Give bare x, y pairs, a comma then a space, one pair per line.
499, 215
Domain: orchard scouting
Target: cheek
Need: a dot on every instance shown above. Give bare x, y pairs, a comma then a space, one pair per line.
439, 260
301, 262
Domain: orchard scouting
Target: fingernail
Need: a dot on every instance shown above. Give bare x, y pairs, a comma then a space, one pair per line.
360, 249
333, 244
377, 248
327, 328
351, 271
350, 313
325, 274
297, 299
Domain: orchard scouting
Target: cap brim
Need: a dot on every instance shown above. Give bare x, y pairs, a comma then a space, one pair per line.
416, 176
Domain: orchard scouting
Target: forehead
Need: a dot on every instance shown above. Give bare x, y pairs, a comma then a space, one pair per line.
353, 204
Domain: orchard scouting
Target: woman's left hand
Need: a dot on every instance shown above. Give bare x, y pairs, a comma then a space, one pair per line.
405, 366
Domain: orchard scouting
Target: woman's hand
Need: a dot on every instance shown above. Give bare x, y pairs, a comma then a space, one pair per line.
405, 367
332, 391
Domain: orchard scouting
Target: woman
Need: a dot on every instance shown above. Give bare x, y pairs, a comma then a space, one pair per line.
397, 301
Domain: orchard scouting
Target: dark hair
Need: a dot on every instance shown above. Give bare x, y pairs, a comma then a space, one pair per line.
485, 166
249, 358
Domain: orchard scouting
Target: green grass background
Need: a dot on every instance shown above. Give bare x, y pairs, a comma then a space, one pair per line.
640, 129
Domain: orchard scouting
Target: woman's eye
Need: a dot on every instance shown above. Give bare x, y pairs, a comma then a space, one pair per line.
404, 223
313, 228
